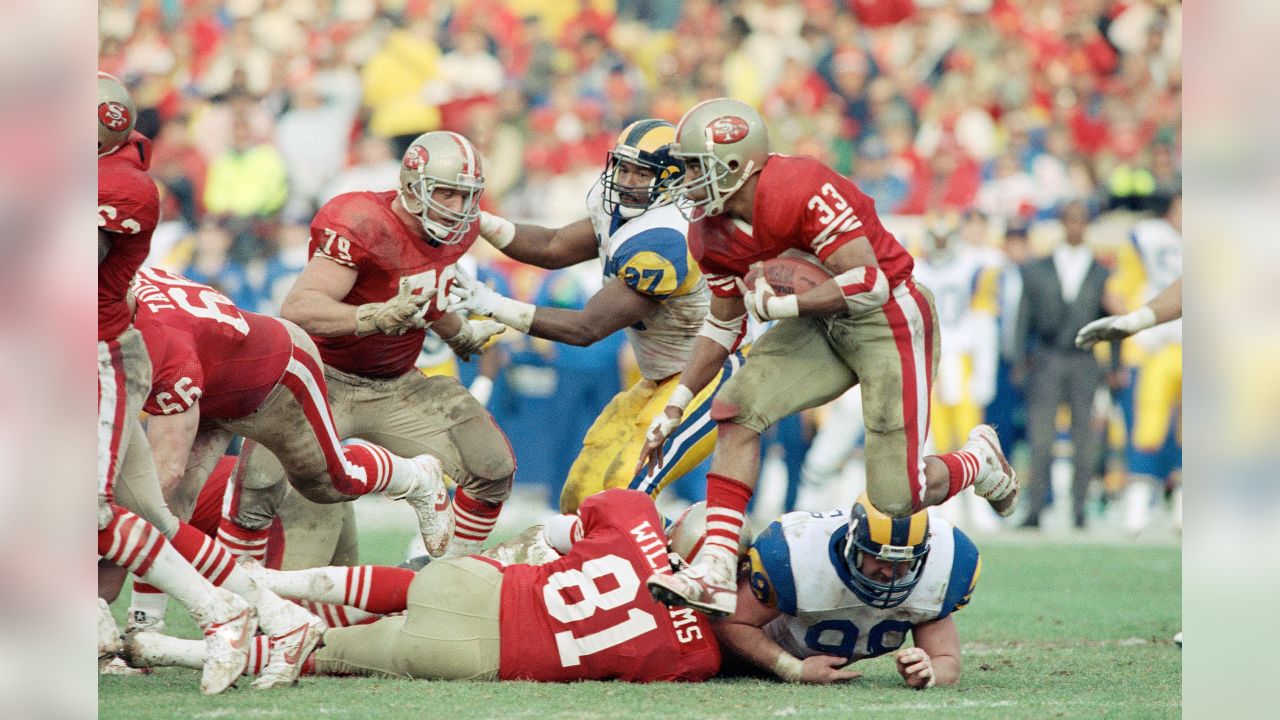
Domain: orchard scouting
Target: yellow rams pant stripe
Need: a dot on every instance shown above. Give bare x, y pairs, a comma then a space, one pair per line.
1157, 395
949, 425
613, 443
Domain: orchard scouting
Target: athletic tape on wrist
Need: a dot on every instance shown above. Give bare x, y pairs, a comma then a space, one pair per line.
788, 667
681, 397
497, 231
786, 306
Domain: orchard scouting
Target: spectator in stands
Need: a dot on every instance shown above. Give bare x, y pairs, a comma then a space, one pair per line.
313, 137
212, 264
289, 256
249, 180
874, 177
377, 168
394, 79
1010, 193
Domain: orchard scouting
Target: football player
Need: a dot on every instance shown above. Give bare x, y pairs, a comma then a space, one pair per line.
128, 210
1155, 443
828, 589
378, 277
967, 348
219, 372
1164, 307
653, 289
870, 324
583, 616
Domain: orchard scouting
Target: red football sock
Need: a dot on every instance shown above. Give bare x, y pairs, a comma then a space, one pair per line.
205, 554
726, 511
475, 518
243, 542
378, 589
962, 466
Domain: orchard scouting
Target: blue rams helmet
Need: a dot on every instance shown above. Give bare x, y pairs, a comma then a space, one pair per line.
904, 542
646, 143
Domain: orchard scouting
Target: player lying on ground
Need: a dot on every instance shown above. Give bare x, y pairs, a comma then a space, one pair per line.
828, 589
653, 289
584, 616
869, 324
377, 278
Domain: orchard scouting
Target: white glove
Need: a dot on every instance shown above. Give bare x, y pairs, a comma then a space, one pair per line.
467, 293
475, 297
396, 316
473, 336
497, 231
764, 304
916, 667
1115, 327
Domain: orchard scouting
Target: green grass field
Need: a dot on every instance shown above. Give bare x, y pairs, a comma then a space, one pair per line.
1055, 630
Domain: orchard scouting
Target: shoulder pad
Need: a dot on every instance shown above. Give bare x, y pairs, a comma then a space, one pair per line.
771, 576
966, 567
654, 262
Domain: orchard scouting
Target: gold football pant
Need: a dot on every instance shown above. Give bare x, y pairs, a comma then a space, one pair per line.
450, 631
612, 445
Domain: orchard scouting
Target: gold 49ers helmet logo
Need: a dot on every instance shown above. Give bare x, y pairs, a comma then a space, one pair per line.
727, 129
416, 157
113, 115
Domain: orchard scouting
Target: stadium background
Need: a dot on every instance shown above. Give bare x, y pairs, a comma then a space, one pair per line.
262, 109
976, 115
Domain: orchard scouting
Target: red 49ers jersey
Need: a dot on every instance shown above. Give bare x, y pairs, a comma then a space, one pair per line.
128, 209
802, 207
360, 230
203, 347
588, 615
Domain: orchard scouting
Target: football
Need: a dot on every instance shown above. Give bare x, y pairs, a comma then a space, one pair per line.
789, 275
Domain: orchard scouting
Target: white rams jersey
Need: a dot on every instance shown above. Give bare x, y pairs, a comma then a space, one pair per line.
650, 253
967, 326
798, 567
952, 283
1159, 245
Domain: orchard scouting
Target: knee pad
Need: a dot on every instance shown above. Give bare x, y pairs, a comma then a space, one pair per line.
486, 456
722, 410
257, 507
893, 504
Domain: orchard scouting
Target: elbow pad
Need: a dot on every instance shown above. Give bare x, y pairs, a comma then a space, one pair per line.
727, 334
864, 288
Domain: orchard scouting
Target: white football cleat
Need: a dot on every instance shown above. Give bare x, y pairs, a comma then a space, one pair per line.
109, 644
430, 499
288, 653
996, 480
228, 632
1177, 639
709, 585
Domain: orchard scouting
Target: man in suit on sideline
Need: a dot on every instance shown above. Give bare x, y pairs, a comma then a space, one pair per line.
1061, 294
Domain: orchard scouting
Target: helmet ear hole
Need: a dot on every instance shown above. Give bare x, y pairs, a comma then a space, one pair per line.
734, 165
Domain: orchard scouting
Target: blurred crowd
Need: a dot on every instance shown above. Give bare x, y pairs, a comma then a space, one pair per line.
982, 119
